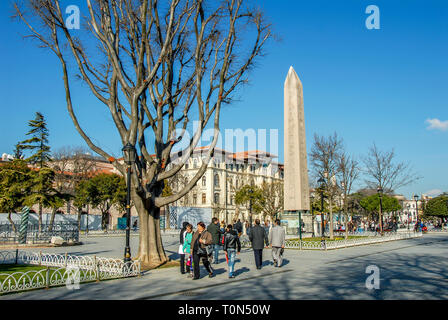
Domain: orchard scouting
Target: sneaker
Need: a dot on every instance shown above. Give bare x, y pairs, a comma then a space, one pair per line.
275, 262
232, 276
210, 275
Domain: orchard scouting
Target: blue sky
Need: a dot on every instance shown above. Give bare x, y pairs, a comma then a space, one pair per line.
367, 85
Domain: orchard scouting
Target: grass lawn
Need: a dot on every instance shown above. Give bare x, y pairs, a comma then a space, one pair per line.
7, 269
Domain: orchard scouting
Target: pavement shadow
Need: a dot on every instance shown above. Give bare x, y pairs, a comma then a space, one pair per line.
284, 262
404, 274
241, 271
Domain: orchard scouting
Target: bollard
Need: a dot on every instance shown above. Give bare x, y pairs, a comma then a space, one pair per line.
40, 257
17, 254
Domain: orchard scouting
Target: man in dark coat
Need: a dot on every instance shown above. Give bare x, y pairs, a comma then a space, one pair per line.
215, 231
258, 237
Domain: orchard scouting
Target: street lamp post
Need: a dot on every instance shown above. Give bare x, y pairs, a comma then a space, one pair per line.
322, 186
380, 193
129, 158
416, 210
312, 213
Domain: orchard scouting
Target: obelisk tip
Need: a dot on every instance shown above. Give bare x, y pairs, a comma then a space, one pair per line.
292, 76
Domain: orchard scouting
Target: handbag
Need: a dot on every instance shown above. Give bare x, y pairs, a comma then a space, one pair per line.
202, 251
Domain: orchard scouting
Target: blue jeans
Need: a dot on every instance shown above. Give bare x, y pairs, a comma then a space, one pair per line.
216, 253
231, 254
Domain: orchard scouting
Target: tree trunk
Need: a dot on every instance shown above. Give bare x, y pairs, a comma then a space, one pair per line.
79, 218
150, 252
167, 218
103, 220
40, 217
12, 223
53, 214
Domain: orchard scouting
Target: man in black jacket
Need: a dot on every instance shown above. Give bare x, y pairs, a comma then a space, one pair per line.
239, 227
181, 244
232, 246
215, 231
258, 237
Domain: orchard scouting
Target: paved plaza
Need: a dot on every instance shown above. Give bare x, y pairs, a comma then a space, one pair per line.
409, 269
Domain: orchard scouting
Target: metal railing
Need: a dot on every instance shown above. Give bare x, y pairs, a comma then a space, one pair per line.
67, 231
66, 269
337, 244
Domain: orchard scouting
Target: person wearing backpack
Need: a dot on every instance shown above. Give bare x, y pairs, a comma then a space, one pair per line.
239, 227
215, 231
232, 247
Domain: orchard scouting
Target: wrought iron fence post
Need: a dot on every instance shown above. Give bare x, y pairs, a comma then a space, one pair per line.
65, 260
97, 268
47, 278
40, 257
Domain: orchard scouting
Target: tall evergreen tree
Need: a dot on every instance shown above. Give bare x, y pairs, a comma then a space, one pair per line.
38, 141
40, 156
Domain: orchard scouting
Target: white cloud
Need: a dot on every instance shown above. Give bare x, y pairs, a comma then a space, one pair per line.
436, 124
433, 192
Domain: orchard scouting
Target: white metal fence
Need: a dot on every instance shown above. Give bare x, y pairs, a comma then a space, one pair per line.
67, 270
337, 244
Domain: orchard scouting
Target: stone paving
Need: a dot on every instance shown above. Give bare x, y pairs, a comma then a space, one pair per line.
409, 269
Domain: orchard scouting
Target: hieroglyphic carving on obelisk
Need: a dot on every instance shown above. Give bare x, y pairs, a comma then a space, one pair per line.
296, 188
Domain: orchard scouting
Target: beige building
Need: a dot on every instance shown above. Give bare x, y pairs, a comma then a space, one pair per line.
225, 174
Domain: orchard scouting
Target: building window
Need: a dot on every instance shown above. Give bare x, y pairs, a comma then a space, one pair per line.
186, 165
195, 163
216, 180
216, 198
195, 198
204, 181
204, 198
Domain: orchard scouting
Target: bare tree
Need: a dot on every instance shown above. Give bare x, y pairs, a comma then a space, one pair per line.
324, 157
348, 172
149, 63
273, 195
383, 172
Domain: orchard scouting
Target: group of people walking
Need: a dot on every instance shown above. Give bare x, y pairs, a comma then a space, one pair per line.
205, 243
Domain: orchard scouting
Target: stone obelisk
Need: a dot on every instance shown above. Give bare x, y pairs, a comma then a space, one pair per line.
296, 188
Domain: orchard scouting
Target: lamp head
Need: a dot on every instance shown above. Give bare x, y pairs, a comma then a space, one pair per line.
129, 153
